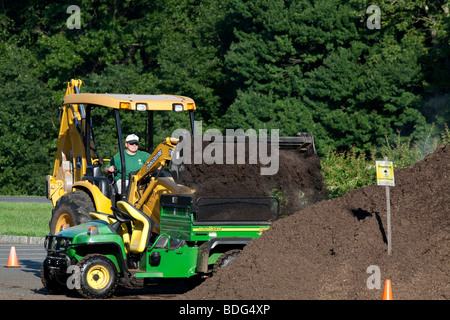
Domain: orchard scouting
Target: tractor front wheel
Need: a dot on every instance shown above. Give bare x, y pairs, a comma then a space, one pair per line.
98, 277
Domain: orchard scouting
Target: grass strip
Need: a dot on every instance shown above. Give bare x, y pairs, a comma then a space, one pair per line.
25, 219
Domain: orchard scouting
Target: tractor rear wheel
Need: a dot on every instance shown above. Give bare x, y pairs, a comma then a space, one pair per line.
98, 277
72, 208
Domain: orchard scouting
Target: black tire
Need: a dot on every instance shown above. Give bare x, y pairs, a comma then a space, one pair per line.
53, 282
98, 277
225, 259
72, 208
193, 281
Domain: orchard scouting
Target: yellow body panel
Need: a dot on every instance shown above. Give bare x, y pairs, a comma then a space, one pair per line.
129, 101
102, 203
151, 207
70, 161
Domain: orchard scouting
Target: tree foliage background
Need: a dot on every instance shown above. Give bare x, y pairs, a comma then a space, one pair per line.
293, 65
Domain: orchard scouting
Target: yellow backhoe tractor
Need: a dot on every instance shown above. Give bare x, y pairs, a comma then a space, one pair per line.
78, 185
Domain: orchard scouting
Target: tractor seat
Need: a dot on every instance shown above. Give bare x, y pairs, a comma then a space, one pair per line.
143, 227
94, 175
109, 218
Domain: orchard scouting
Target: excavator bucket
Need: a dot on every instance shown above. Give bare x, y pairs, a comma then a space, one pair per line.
303, 142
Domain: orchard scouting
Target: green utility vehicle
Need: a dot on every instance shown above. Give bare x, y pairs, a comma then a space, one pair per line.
196, 236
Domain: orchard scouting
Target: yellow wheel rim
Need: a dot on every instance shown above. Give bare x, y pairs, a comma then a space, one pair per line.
98, 277
64, 218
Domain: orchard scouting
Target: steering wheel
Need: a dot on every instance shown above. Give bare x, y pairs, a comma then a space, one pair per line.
121, 216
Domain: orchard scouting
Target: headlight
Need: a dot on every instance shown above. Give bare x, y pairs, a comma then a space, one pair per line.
141, 107
177, 107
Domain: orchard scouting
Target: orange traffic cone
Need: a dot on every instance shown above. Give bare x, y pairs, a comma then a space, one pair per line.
387, 293
12, 260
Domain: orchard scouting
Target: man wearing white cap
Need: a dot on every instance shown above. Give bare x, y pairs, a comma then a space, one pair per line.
134, 160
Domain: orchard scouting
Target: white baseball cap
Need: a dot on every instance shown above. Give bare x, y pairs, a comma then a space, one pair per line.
132, 138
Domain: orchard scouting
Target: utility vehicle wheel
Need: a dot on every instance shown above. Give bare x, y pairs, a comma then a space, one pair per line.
225, 259
193, 281
55, 283
72, 208
98, 277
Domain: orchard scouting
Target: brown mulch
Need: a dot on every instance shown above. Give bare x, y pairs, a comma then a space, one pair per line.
322, 250
298, 182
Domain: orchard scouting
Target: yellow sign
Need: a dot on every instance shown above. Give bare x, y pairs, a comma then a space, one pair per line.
385, 173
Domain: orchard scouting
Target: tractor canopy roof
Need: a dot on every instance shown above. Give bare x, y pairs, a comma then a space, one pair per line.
133, 101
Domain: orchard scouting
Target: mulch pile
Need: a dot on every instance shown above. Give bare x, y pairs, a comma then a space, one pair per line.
325, 250
298, 182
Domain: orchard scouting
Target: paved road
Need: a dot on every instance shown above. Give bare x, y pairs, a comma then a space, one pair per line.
24, 199
24, 283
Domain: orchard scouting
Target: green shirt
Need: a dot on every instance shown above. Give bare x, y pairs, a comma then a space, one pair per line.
132, 162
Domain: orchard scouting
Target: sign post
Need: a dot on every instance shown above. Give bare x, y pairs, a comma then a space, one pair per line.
385, 177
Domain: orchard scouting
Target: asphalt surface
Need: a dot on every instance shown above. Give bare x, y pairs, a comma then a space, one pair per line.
24, 199
24, 282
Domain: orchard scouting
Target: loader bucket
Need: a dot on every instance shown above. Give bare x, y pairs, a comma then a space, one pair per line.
302, 142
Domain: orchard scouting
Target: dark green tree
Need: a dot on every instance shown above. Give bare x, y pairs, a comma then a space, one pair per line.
293, 65
28, 126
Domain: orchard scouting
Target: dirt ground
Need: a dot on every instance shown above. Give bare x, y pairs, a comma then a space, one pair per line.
323, 249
